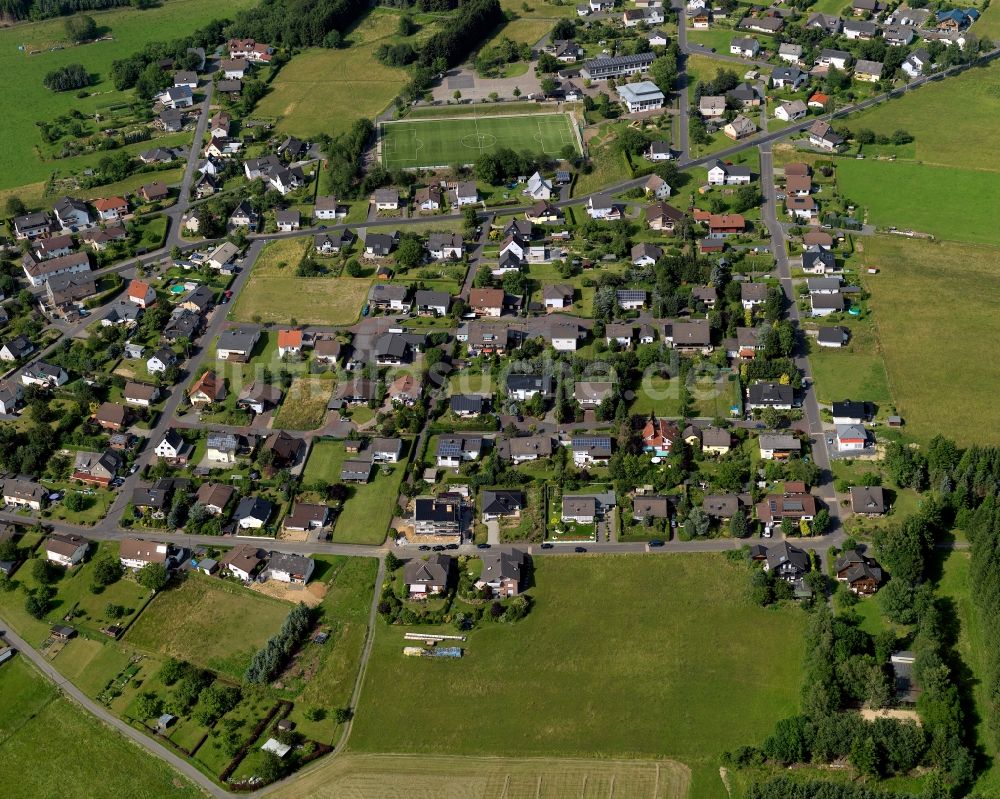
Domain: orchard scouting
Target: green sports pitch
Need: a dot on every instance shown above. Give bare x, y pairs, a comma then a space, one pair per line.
441, 142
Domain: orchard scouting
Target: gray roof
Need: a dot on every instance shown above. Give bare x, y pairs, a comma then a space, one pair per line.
433, 571
500, 565
779, 441
502, 501
770, 394
786, 553
254, 508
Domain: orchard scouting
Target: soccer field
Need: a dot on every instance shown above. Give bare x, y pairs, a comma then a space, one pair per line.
441, 142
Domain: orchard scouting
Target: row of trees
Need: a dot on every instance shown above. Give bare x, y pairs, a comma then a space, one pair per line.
297, 23
269, 660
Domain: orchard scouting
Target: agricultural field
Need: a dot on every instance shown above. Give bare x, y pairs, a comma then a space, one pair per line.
527, 30
935, 312
304, 407
607, 686
215, 624
313, 82
383, 776
35, 717
967, 101
274, 294
26, 101
462, 140
929, 199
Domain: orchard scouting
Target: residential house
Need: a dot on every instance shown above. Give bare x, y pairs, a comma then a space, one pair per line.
722, 507
832, 336
304, 516
790, 52
650, 507
851, 438
659, 151
141, 293
428, 198
692, 335
11, 396
564, 336
745, 95
45, 375
64, 550
289, 568
140, 394
237, 343
253, 513
379, 245
659, 437
522, 449
539, 188
424, 578
663, 217
332, 243
234, 68
214, 497
445, 246
823, 136
172, 448
72, 215
466, 405
917, 63
284, 448
591, 450
789, 111
386, 199
631, 299
405, 390
744, 47
868, 71
134, 553
244, 561
817, 260
524, 387
601, 206
242, 216
770, 25
716, 441
438, 516
453, 451
161, 360
111, 209
740, 128
259, 397
153, 192
657, 187
386, 450
557, 296
770, 395
487, 302
177, 97
290, 342
778, 446
579, 510
501, 503
721, 225
502, 572
801, 208
221, 448
712, 106
53, 246
590, 394
96, 468
463, 193
898, 36
111, 416
752, 295
862, 574
288, 220
787, 562
838, 59
543, 212
860, 30
17, 349
826, 304
721, 174
39, 271
646, 254
31, 226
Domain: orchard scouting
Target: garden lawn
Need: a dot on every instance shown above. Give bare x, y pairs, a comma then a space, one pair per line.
678, 665
304, 406
609, 164
215, 624
348, 79
438, 142
325, 459
926, 198
26, 101
370, 509
856, 371
704, 68
35, 718
968, 102
274, 294
935, 310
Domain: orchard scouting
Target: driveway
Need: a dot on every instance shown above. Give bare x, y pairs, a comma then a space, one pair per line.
493, 532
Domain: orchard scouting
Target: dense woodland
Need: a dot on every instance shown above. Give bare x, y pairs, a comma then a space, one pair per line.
16, 10
298, 23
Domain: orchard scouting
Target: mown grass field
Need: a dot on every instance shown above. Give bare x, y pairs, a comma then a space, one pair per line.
56, 749
370, 507
213, 624
274, 294
678, 665
929, 199
26, 101
384, 776
935, 310
856, 371
949, 119
440, 142
526, 30
325, 91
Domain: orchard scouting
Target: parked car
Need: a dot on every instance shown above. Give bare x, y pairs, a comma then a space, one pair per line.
579, 549
482, 546
656, 542
424, 548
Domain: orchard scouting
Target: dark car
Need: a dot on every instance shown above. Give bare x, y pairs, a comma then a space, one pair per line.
482, 546
579, 549
546, 546
438, 547
424, 548
452, 546
656, 542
